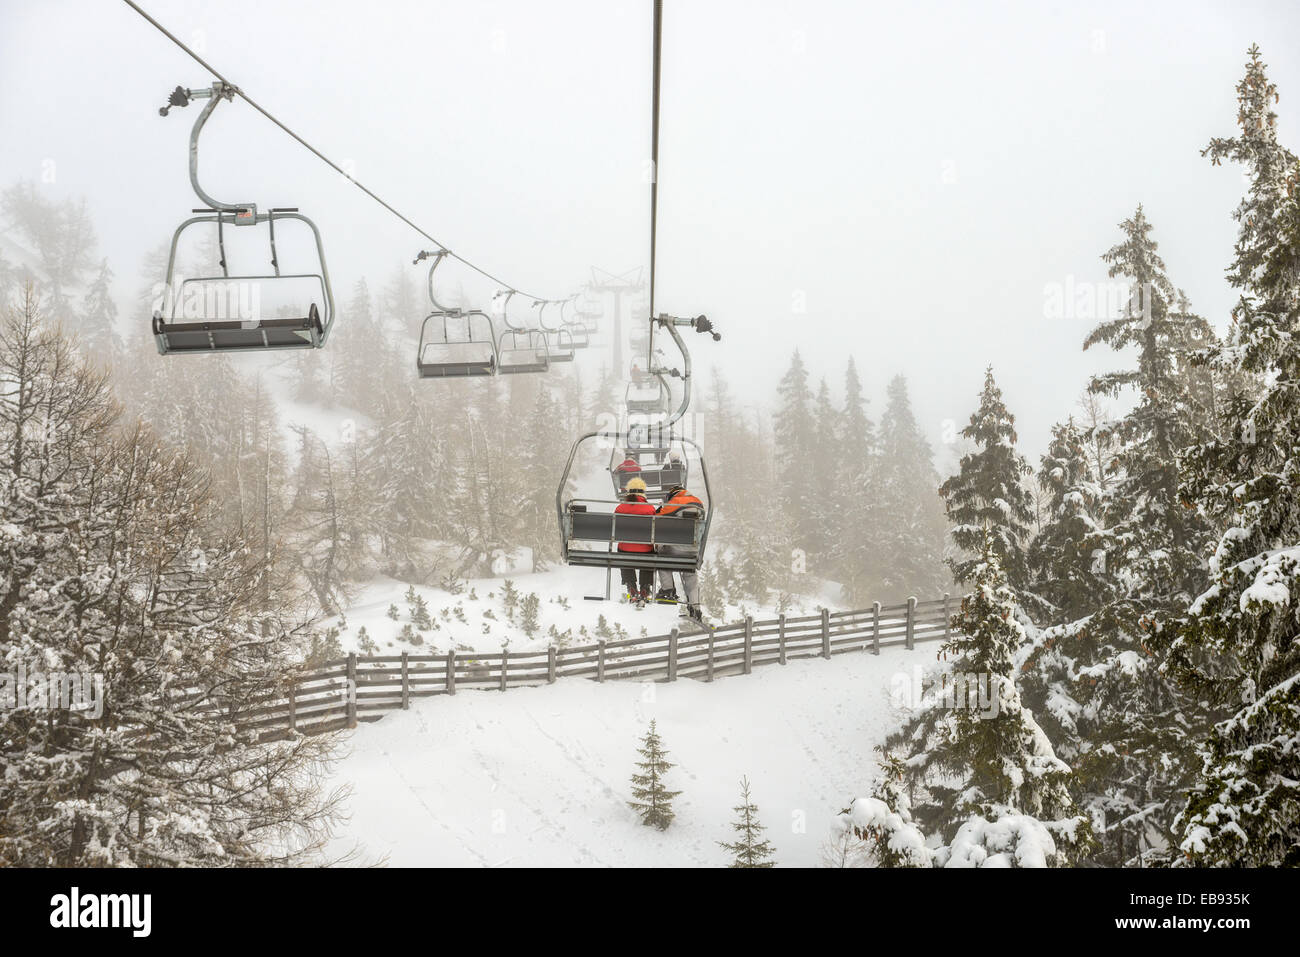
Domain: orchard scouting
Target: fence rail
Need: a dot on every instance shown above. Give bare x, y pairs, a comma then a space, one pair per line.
340, 693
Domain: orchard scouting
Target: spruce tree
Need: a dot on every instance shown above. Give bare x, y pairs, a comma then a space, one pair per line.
855, 492
820, 474
1157, 540
793, 428
1238, 644
986, 497
883, 824
99, 318
907, 538
988, 779
750, 849
1067, 557
652, 800
1123, 722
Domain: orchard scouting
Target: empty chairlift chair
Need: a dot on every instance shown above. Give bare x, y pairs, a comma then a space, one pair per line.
224, 313
577, 331
519, 349
454, 342
559, 341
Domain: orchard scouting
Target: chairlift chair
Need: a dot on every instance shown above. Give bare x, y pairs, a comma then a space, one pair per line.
522, 351
180, 325
661, 468
519, 349
591, 529
559, 341
454, 342
577, 331
647, 396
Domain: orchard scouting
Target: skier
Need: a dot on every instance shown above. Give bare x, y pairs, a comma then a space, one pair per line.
634, 503
682, 503
628, 467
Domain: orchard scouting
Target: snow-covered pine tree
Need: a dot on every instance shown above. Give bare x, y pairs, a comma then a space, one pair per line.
750, 849
352, 376
765, 533
983, 773
793, 447
529, 612
544, 455
820, 475
854, 491
98, 326
110, 570
907, 539
881, 825
1067, 556
1124, 724
402, 303
652, 800
986, 498
407, 471
1239, 644
1157, 541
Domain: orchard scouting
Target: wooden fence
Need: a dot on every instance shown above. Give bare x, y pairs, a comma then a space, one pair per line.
344, 691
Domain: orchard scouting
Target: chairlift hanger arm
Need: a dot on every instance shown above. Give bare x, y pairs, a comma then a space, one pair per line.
245, 213
672, 323
437, 255
505, 310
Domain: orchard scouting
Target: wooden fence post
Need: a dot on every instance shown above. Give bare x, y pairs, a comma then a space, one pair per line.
406, 681
293, 705
550, 665
672, 655
451, 672
505, 659
749, 643
709, 673
352, 689
947, 618
600, 661
780, 639
911, 623
875, 628
826, 632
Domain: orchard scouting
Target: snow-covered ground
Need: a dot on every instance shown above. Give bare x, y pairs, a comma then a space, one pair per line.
540, 776
476, 619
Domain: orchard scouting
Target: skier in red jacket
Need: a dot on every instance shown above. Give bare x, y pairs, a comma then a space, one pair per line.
627, 468
634, 503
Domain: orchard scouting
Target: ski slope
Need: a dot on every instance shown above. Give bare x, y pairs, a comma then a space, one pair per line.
539, 777
476, 618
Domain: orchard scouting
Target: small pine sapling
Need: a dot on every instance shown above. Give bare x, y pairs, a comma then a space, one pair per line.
750, 849
651, 798
528, 614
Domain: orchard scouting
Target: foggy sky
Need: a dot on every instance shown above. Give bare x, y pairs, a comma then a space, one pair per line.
896, 182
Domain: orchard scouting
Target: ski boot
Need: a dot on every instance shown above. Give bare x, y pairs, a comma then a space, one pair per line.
666, 596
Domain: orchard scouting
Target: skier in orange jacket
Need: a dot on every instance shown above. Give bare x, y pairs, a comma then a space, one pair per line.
681, 503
